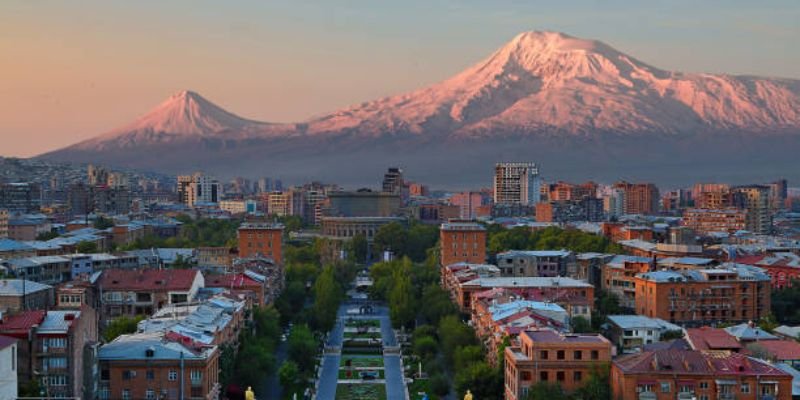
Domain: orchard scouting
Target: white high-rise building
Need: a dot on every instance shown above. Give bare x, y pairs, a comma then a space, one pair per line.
198, 189
517, 183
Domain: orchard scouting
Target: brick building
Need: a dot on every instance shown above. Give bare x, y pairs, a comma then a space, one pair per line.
462, 242
154, 365
548, 356
728, 293
692, 374
704, 221
19, 295
639, 198
260, 239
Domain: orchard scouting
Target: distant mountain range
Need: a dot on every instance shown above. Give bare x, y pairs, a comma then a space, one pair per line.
580, 108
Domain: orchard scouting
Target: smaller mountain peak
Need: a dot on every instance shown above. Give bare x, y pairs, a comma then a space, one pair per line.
186, 94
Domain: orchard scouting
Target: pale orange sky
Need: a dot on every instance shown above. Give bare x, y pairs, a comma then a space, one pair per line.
73, 70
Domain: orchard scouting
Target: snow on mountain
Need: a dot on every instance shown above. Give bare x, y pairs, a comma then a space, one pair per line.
185, 115
549, 81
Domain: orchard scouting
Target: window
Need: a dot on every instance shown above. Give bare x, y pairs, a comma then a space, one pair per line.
172, 375
560, 354
150, 394
745, 388
543, 354
703, 397
196, 375
104, 393
126, 394
665, 387
703, 385
58, 342
560, 376
128, 375
543, 376
595, 355
150, 375
57, 362
577, 376
577, 355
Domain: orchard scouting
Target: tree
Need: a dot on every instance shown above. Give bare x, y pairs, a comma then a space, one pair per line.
597, 386
425, 347
358, 248
393, 237
768, 323
670, 335
482, 380
45, 236
546, 391
86, 247
103, 223
581, 325
302, 348
289, 374
326, 302
402, 307
454, 334
121, 326
437, 304
182, 262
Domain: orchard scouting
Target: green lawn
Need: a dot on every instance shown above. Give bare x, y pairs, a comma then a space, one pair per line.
374, 323
361, 391
362, 362
356, 335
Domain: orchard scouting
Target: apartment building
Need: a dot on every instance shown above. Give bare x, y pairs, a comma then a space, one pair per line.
549, 356
517, 183
639, 198
728, 293
20, 295
261, 239
157, 365
462, 242
701, 375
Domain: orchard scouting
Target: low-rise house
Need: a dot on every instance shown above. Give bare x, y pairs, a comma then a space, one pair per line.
526, 263
145, 291
708, 338
575, 296
787, 332
10, 249
694, 374
236, 283
630, 333
19, 295
155, 365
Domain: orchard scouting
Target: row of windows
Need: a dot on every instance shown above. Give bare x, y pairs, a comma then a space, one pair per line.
172, 375
561, 355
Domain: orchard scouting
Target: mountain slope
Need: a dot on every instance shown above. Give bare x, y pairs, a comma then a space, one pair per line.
183, 117
577, 106
547, 81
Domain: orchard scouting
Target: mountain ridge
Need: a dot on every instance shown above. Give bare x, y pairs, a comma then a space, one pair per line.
540, 89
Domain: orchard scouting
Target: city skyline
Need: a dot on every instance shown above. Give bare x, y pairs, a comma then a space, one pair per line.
90, 72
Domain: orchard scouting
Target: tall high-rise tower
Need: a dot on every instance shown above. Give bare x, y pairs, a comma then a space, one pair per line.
516, 183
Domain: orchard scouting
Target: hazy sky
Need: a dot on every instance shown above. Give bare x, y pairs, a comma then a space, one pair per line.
70, 70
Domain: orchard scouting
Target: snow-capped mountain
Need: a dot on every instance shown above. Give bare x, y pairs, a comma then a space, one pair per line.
577, 106
184, 116
548, 81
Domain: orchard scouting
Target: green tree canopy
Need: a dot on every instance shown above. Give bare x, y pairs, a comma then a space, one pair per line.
120, 326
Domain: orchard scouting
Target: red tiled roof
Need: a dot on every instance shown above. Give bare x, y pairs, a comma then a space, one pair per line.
707, 338
148, 279
231, 280
6, 341
719, 363
22, 322
782, 350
